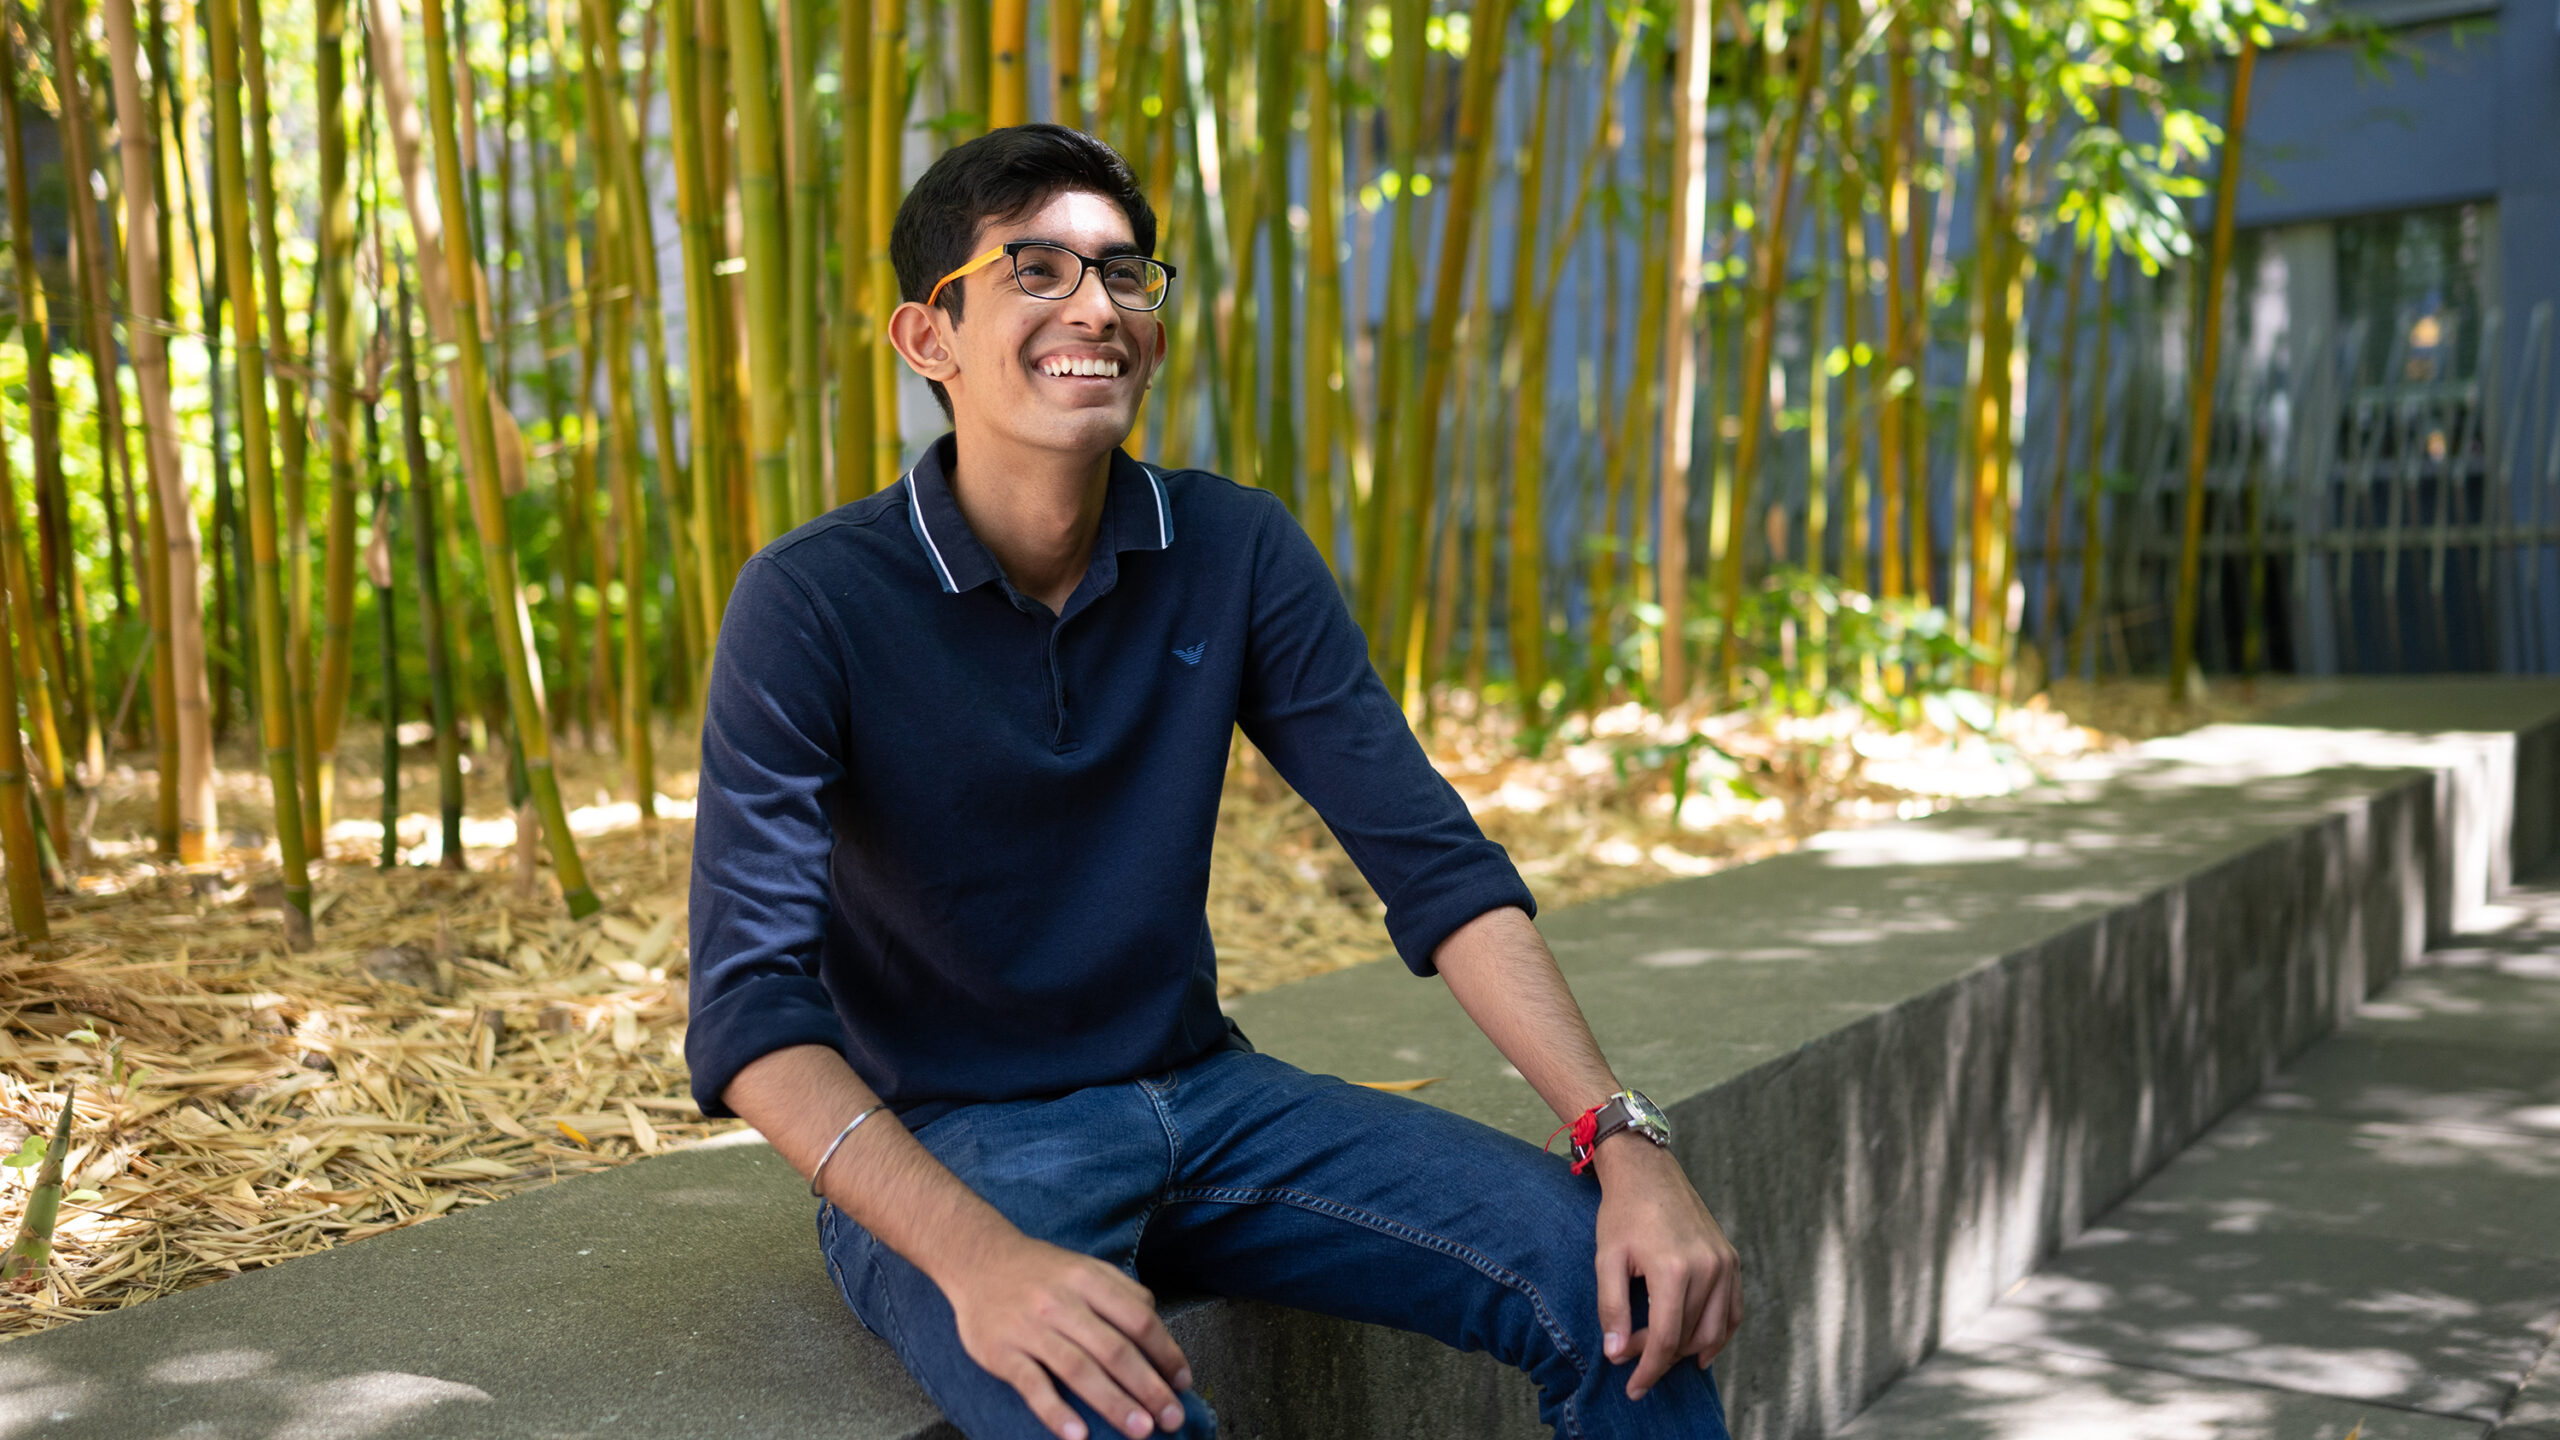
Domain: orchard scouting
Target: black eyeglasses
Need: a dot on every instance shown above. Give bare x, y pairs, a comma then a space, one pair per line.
1054, 272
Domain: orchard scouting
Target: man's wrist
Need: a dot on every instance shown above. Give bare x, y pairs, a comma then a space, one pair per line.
1627, 1153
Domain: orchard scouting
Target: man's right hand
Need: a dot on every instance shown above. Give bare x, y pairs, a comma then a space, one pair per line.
1035, 1315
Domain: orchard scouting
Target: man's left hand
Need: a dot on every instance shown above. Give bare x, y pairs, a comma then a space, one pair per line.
1654, 1226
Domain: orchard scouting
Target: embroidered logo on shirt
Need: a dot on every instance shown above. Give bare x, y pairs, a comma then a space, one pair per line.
1190, 655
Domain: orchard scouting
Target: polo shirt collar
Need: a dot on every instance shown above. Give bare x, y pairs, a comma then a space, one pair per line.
1136, 515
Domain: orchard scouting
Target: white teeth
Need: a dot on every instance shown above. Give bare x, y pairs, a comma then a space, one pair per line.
1080, 365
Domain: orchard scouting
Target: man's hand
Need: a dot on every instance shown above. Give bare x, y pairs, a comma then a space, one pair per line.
1029, 1311
1652, 1224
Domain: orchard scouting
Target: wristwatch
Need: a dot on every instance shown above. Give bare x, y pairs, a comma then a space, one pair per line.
1626, 1110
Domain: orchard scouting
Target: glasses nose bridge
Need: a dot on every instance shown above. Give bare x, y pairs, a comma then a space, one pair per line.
1093, 269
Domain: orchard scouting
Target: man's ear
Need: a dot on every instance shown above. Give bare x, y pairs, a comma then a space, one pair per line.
921, 339
1155, 362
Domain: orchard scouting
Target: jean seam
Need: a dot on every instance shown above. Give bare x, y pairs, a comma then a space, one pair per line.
1172, 1162
1485, 1264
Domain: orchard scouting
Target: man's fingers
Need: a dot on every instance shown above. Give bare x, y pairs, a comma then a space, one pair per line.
1616, 1323
1033, 1382
1134, 1315
1718, 1320
1666, 1296
1131, 1369
1080, 1372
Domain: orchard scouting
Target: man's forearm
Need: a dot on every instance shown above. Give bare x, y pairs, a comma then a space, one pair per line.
1500, 969
887, 1182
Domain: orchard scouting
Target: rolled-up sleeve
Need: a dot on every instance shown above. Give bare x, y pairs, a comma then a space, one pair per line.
1316, 708
773, 735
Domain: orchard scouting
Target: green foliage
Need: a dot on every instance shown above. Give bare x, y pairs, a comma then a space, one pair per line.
1809, 643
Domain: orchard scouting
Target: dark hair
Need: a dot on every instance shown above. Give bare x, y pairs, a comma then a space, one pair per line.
1002, 175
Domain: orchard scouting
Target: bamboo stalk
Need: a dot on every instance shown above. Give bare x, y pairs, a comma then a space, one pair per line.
856, 332
274, 697
768, 371
1391, 542
620, 258
1900, 367
424, 536
1683, 278
57, 595
1525, 365
1323, 350
641, 265
1769, 263
498, 564
17, 820
1066, 64
1275, 85
94, 252
703, 394
2048, 620
95, 309
178, 603
2226, 198
337, 291
29, 673
1009, 78
286, 428
806, 252
888, 123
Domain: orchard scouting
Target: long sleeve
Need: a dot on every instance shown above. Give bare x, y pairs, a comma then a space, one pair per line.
774, 732
1316, 708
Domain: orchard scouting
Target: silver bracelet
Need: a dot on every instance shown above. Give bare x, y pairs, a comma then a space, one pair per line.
841, 1136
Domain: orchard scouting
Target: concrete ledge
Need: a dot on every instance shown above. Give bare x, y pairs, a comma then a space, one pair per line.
1906, 1063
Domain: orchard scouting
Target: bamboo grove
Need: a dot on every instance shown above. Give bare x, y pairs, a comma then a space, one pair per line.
541, 316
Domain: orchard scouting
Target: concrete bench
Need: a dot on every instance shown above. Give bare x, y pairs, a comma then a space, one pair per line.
1905, 1062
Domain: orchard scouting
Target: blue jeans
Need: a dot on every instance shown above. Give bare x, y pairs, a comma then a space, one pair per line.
1241, 1175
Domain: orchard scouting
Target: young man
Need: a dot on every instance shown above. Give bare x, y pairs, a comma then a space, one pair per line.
960, 771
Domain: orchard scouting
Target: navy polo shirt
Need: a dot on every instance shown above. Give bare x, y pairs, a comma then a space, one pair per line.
965, 840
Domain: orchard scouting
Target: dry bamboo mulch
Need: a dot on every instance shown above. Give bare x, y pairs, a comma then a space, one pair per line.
455, 1038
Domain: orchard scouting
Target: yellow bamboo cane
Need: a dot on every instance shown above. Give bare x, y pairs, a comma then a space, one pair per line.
275, 714
17, 823
768, 381
179, 604
856, 334
488, 505
2226, 200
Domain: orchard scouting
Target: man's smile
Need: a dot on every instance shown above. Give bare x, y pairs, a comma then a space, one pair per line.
1073, 366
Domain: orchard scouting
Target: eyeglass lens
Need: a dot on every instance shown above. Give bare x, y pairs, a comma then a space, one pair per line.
1049, 272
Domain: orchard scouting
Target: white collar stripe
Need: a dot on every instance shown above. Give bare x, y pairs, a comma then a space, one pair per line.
1164, 512
915, 513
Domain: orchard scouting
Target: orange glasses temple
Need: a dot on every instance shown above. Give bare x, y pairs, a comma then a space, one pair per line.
979, 263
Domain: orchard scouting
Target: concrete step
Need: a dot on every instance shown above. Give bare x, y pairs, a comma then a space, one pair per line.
2380, 1228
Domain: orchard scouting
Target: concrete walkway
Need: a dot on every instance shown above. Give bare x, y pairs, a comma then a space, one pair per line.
2373, 1241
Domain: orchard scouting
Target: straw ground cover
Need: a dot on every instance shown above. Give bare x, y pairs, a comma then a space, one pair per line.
456, 1037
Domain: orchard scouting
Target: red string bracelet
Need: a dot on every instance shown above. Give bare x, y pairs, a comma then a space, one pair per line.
1583, 1128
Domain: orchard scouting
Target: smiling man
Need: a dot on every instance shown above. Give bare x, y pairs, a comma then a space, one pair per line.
961, 760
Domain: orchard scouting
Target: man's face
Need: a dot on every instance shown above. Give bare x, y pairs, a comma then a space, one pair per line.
1060, 375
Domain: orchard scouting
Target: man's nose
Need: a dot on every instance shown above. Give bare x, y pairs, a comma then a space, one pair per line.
1091, 304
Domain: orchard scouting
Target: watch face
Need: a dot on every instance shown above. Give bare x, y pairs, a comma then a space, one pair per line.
1645, 1115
